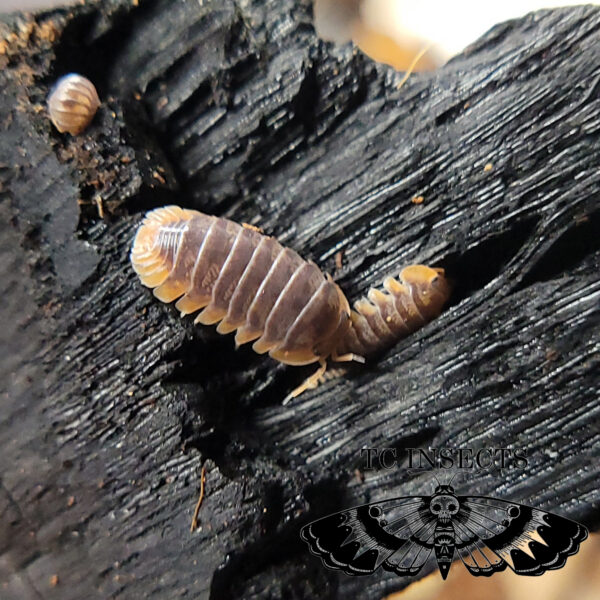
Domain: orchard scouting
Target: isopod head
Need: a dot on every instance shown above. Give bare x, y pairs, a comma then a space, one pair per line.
426, 280
72, 103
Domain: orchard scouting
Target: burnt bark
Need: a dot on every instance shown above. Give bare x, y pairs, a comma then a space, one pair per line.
112, 403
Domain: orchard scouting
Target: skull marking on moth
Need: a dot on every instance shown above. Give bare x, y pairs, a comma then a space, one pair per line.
444, 506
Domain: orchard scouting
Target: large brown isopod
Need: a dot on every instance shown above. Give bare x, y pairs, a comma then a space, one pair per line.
72, 103
249, 282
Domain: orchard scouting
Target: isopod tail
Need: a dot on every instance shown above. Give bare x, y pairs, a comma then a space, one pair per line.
385, 317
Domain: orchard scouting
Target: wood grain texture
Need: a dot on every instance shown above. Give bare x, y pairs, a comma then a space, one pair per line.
112, 403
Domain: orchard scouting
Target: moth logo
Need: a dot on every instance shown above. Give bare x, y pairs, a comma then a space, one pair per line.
402, 534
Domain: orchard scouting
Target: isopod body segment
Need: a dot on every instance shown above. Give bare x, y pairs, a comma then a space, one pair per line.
384, 317
72, 103
249, 283
244, 281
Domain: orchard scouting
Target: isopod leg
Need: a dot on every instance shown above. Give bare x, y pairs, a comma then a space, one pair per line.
252, 227
348, 357
309, 384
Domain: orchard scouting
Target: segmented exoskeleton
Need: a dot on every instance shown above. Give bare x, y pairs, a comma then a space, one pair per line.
249, 282
72, 103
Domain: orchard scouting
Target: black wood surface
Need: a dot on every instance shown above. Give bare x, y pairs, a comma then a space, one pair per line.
111, 403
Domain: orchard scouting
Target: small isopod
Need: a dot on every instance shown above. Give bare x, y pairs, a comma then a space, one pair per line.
72, 103
246, 281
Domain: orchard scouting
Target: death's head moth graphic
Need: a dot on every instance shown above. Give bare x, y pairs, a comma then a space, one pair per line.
402, 534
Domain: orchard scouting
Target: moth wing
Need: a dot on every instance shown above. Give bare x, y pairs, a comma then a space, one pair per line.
475, 555
492, 534
396, 533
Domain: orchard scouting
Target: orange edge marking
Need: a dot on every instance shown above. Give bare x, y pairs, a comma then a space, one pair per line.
253, 228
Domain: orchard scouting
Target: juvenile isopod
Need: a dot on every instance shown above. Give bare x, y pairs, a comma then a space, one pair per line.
249, 283
72, 103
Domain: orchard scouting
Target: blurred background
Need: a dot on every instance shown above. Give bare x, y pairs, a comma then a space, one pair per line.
11, 5
420, 35
395, 31
392, 31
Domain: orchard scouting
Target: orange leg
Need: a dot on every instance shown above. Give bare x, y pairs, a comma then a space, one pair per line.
309, 384
347, 358
319, 375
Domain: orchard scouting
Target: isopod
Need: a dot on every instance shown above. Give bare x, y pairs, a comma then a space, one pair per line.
246, 281
72, 103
